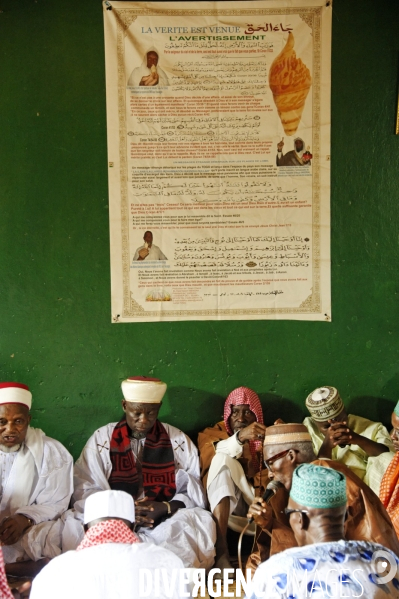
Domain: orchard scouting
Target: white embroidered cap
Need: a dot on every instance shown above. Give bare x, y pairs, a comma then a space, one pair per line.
324, 403
109, 504
141, 389
15, 393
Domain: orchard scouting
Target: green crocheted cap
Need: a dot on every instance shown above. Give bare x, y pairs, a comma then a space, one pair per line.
396, 409
318, 487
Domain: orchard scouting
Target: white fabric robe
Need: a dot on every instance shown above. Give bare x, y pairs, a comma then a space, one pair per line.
109, 571
190, 533
143, 71
227, 452
225, 459
155, 253
39, 486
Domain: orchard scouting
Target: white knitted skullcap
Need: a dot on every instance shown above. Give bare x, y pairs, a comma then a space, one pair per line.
143, 390
109, 504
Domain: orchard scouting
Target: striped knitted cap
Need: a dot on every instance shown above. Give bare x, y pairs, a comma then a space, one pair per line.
284, 434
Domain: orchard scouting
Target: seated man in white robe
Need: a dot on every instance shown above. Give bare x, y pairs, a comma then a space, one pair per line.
110, 560
158, 466
36, 482
353, 440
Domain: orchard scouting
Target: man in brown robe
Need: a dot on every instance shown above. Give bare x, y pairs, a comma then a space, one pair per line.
232, 464
285, 447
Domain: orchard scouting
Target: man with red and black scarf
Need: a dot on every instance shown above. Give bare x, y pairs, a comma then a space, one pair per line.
158, 466
232, 464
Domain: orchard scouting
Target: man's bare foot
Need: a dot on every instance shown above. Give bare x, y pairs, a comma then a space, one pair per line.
21, 591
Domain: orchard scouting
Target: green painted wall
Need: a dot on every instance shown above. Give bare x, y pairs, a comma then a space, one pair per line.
55, 330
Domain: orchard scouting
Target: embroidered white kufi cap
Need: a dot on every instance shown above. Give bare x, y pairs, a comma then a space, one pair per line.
324, 403
141, 389
109, 504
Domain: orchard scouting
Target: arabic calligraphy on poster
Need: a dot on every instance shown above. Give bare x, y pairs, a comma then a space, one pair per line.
218, 144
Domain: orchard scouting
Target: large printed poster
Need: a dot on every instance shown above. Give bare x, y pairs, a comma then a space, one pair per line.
218, 117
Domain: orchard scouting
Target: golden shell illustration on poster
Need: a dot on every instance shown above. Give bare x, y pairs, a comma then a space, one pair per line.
290, 81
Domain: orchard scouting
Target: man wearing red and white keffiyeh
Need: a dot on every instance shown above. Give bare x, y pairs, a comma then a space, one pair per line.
108, 531
108, 562
232, 464
5, 591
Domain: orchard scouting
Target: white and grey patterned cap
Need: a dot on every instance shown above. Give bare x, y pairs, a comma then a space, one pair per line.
324, 403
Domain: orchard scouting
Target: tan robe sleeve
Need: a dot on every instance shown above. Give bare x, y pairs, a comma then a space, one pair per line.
367, 518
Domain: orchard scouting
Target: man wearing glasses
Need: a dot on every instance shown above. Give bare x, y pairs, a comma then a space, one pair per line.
285, 447
324, 564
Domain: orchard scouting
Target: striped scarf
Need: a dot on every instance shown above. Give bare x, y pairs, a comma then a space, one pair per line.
158, 464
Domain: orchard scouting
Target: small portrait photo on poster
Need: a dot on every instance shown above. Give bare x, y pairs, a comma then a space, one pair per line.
296, 157
148, 251
149, 73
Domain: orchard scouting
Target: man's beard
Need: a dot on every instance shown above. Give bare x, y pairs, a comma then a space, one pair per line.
138, 435
6, 449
